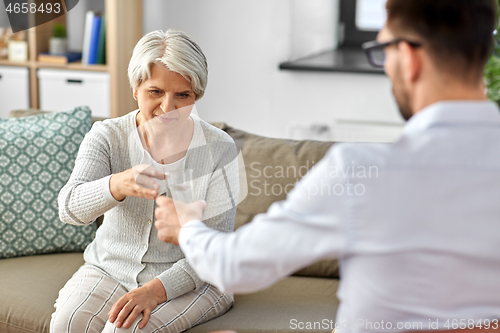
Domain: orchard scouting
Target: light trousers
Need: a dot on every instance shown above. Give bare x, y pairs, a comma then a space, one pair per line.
86, 299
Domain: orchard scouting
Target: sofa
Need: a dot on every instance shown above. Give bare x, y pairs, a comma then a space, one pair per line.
302, 302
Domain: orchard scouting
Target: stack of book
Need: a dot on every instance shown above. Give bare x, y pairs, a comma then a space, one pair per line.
62, 59
94, 40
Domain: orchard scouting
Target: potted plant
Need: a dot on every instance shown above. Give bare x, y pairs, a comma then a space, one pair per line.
492, 69
58, 43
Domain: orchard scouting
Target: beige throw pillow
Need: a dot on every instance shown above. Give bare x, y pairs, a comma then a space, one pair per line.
272, 167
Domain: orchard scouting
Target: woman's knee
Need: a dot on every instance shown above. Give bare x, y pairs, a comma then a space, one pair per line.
110, 328
68, 320
84, 302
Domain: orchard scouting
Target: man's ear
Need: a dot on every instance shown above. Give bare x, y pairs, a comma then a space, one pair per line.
411, 62
135, 94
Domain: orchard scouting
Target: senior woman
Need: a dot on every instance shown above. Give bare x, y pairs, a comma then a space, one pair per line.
131, 281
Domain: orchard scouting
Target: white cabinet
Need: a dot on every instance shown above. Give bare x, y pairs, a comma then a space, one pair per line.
65, 89
14, 89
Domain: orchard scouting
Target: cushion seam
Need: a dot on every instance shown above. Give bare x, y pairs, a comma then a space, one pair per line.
16, 326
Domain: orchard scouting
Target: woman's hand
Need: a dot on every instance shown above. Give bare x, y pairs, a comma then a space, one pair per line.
136, 182
143, 299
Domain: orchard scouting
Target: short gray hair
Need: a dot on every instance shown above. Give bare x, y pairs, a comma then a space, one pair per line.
174, 49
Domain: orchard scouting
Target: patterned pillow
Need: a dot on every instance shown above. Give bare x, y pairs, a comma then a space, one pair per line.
37, 155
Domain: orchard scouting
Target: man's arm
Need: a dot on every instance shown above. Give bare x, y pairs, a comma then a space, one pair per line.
310, 225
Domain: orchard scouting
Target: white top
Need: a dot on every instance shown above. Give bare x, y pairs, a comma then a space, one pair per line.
196, 141
416, 225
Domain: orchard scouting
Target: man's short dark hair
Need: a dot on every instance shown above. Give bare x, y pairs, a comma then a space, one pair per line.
456, 32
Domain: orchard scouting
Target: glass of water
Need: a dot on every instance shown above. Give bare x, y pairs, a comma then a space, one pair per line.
180, 184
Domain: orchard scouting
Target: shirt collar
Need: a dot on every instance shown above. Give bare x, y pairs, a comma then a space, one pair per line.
450, 113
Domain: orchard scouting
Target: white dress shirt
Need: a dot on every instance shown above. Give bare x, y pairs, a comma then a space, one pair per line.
415, 224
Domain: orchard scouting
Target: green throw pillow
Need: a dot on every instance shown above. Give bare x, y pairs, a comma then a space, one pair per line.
37, 155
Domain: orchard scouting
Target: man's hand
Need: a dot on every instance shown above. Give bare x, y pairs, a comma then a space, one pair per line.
143, 299
172, 215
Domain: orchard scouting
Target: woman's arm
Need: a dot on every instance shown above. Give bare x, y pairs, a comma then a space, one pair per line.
86, 196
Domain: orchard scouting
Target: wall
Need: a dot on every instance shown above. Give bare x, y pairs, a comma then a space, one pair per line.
4, 19
244, 42
313, 27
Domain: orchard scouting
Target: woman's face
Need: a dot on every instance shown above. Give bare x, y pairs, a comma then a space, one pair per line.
165, 99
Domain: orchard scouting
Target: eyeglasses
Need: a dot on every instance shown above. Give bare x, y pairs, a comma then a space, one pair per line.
376, 51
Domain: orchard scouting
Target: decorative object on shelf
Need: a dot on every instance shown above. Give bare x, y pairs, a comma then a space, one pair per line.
58, 43
18, 47
492, 69
62, 59
4, 41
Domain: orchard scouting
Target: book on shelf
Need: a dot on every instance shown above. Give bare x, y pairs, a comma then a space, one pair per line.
89, 20
101, 48
62, 59
94, 41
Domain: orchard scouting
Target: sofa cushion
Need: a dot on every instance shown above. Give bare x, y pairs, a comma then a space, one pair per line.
29, 287
307, 300
273, 166
323, 268
38, 154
